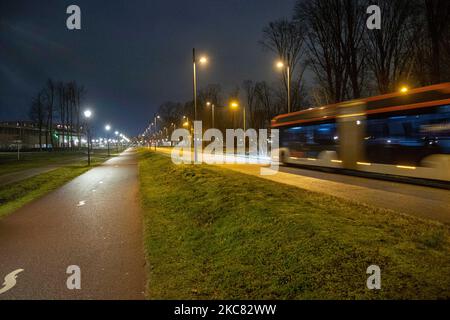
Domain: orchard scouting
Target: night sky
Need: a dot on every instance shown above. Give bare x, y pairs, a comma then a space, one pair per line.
131, 55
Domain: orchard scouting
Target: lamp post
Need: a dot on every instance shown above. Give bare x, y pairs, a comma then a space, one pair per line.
234, 105
107, 128
202, 60
156, 128
212, 112
282, 65
117, 141
88, 115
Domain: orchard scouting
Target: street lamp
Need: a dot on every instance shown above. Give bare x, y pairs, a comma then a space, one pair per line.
88, 114
107, 128
202, 60
212, 111
156, 118
281, 65
117, 141
234, 105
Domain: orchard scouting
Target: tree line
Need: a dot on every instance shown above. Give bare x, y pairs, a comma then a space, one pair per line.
330, 41
56, 111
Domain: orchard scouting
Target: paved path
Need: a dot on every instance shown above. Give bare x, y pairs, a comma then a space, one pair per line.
93, 222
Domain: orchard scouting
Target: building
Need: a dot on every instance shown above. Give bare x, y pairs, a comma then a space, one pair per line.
25, 134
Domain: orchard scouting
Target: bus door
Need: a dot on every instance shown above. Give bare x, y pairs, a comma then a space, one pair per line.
351, 129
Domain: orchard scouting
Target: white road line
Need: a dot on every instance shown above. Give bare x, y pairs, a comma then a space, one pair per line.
81, 203
10, 281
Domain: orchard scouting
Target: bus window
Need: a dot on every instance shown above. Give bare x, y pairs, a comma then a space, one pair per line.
325, 134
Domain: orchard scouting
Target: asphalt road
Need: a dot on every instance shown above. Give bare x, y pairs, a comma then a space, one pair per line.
93, 222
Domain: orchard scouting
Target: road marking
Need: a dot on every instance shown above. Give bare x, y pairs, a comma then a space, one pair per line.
10, 281
81, 203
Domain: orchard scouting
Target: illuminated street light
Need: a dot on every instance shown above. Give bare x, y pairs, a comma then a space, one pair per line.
212, 112
88, 114
234, 105
156, 121
203, 60
404, 89
107, 128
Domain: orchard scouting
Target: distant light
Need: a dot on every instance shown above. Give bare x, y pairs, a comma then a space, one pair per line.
280, 64
107, 127
116, 133
404, 89
203, 60
234, 104
208, 103
407, 167
87, 113
358, 122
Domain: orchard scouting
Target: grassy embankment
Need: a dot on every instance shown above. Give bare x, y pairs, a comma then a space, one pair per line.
215, 233
17, 194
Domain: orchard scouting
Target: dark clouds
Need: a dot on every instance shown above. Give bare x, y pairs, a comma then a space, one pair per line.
131, 55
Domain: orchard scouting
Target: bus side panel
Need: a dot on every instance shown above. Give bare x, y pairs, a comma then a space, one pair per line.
351, 128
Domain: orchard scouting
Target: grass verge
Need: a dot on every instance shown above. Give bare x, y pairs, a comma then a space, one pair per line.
31, 160
211, 233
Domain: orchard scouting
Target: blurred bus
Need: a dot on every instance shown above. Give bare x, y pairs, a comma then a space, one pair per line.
404, 134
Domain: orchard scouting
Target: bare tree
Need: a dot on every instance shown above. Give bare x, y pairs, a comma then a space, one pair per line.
432, 47
286, 39
265, 103
212, 93
38, 114
353, 50
62, 109
390, 50
49, 95
170, 112
250, 95
323, 20
80, 92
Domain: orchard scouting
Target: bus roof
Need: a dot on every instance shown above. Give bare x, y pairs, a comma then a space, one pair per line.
415, 98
